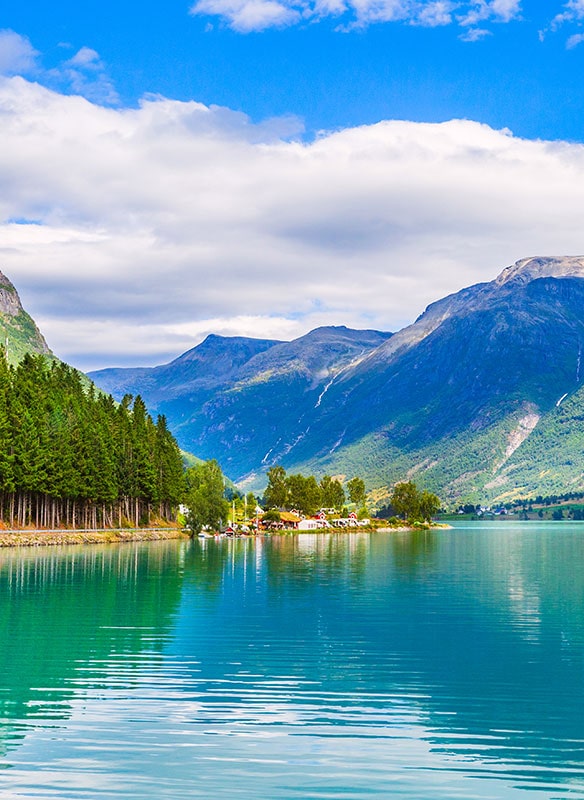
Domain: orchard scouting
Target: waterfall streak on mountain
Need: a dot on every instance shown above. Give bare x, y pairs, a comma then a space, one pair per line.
353, 363
325, 390
298, 439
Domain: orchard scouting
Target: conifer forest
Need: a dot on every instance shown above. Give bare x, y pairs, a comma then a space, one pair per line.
70, 456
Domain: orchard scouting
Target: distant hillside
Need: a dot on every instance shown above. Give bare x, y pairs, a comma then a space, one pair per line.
18, 331
246, 402
481, 398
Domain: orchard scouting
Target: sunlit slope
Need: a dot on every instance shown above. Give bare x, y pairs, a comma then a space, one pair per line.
454, 405
18, 331
465, 400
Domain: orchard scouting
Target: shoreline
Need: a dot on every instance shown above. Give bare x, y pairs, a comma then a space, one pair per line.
52, 538
47, 538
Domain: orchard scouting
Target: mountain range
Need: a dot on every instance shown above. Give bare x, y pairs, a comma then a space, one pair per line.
480, 398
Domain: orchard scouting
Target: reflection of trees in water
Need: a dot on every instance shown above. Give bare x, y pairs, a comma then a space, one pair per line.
66, 608
316, 557
297, 560
205, 563
412, 550
482, 635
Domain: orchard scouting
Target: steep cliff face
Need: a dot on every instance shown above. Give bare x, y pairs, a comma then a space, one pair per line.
18, 331
10, 305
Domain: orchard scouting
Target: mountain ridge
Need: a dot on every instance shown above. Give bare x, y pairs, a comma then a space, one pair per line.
453, 399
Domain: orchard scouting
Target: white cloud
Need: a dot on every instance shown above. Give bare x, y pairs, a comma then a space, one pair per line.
255, 15
250, 15
17, 55
153, 226
474, 34
86, 58
85, 74
435, 14
574, 40
572, 14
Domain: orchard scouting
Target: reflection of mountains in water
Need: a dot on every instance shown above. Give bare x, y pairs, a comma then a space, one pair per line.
480, 635
66, 613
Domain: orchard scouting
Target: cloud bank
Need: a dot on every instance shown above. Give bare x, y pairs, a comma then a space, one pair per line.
132, 233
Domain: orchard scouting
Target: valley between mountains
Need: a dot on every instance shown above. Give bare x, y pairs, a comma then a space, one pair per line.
480, 399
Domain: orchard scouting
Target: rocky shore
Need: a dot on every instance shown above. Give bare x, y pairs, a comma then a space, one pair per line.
41, 538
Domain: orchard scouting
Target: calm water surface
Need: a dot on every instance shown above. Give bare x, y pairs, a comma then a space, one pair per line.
428, 666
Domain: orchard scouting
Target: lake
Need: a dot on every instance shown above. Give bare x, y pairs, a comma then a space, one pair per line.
429, 665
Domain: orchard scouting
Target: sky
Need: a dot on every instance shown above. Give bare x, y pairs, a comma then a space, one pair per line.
263, 167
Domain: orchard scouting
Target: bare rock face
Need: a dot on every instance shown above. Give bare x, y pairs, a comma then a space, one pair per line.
9, 300
529, 269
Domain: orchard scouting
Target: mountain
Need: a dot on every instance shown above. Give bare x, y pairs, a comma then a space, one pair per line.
459, 398
18, 332
480, 398
246, 402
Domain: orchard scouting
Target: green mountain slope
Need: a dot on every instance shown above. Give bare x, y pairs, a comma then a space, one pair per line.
452, 399
18, 332
481, 398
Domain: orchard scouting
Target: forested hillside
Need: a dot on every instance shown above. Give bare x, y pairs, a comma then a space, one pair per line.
70, 456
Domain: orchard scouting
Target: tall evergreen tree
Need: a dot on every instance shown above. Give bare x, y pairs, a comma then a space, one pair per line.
70, 456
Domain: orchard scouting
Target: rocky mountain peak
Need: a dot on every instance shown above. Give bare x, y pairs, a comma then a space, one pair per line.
529, 269
9, 300
18, 331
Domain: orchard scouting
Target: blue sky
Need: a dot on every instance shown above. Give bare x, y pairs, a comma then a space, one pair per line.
523, 73
260, 167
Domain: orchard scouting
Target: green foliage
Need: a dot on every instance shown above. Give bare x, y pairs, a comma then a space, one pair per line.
276, 494
304, 493
356, 490
20, 336
70, 456
405, 500
413, 504
332, 493
429, 505
273, 515
206, 505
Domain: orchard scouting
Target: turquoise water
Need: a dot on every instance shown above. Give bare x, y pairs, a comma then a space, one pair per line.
431, 665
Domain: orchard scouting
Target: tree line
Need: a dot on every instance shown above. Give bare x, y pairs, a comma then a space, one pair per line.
307, 495
71, 456
209, 503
